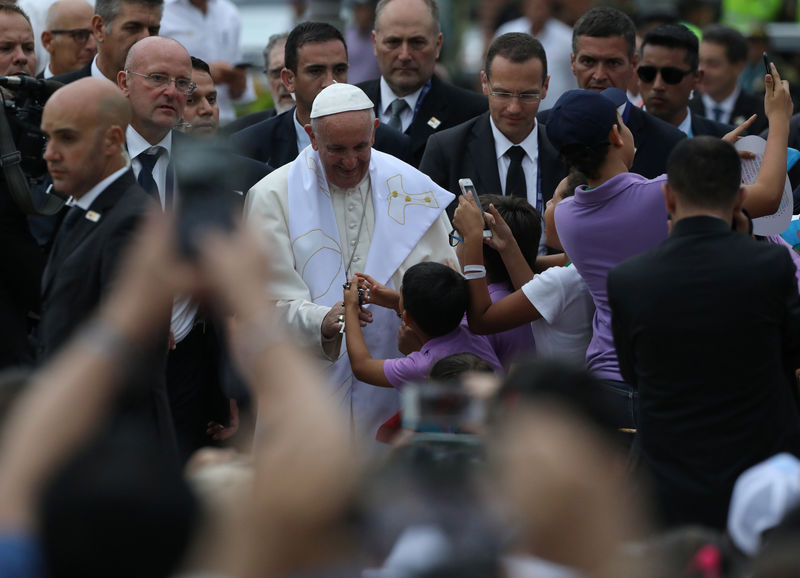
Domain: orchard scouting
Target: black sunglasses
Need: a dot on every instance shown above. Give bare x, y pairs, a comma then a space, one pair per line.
669, 74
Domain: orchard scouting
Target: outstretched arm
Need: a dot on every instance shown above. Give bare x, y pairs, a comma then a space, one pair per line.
364, 367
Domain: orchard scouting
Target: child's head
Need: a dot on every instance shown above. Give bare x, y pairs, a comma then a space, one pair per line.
565, 189
526, 226
435, 297
454, 366
584, 124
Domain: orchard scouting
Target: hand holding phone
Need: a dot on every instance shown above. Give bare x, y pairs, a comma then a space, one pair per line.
467, 188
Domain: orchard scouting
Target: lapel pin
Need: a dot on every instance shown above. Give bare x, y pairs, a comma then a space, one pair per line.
92, 216
434, 122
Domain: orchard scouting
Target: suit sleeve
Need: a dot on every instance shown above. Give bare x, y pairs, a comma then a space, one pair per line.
267, 209
620, 328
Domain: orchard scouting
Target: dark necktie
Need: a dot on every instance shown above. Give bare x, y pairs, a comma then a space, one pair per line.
148, 160
397, 107
71, 219
717, 112
515, 179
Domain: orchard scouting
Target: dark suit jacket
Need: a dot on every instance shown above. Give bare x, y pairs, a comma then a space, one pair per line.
702, 126
707, 326
68, 77
274, 141
243, 122
447, 103
654, 140
468, 151
81, 268
746, 105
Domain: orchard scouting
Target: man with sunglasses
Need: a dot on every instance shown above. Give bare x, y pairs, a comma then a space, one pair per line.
504, 151
68, 38
604, 56
667, 76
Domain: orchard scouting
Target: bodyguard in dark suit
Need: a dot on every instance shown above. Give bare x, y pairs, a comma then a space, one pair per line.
723, 55
85, 123
515, 80
605, 57
668, 74
408, 96
316, 56
707, 327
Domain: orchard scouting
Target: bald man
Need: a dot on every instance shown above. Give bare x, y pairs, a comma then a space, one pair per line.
68, 37
85, 123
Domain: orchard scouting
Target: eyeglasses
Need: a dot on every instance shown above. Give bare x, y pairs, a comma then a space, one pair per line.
454, 238
79, 35
669, 74
160, 80
525, 97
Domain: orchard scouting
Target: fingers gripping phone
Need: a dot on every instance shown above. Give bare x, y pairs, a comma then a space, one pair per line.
467, 188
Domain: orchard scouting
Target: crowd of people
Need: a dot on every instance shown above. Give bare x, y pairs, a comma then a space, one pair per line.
398, 328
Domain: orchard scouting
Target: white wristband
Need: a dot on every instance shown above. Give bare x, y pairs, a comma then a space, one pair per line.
474, 272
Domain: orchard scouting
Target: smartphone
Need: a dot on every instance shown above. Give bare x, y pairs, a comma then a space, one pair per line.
766, 62
467, 188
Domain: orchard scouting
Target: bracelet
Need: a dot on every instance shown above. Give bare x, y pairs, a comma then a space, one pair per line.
474, 272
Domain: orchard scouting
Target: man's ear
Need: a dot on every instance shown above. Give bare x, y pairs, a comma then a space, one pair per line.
484, 83
741, 195
98, 28
122, 82
47, 38
310, 133
614, 138
114, 140
669, 198
287, 78
374, 128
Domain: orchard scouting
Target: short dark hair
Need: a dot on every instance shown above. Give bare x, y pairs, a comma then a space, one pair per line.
584, 159
435, 296
14, 9
198, 64
689, 176
674, 36
432, 7
526, 227
734, 41
575, 178
453, 366
604, 22
108, 10
516, 47
308, 33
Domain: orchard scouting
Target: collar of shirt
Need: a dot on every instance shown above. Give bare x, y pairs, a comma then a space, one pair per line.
47, 73
137, 143
86, 200
726, 105
303, 140
686, 125
501, 143
388, 97
96, 71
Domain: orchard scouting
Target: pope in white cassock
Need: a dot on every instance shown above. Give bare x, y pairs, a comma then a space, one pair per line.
340, 208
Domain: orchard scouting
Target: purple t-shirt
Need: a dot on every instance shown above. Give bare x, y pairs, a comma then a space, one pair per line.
511, 344
417, 365
601, 227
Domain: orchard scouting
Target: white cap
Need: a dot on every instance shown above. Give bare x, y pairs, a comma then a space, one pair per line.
761, 497
340, 97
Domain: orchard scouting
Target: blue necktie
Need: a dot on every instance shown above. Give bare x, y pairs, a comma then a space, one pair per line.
148, 161
717, 112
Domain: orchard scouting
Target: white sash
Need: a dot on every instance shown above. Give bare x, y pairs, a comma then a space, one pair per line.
406, 203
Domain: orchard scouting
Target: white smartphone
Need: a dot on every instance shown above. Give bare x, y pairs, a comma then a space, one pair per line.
467, 188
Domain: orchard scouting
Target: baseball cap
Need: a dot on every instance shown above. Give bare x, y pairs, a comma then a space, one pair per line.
581, 117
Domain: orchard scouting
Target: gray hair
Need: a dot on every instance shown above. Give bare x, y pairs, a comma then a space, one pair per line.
271, 43
108, 10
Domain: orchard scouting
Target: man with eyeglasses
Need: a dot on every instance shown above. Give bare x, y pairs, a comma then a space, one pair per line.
667, 76
68, 38
117, 25
504, 151
604, 56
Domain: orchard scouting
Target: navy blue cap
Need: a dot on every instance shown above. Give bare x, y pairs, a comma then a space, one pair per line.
582, 117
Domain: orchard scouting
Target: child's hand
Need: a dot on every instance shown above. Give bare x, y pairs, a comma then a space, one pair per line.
502, 237
378, 294
468, 218
351, 293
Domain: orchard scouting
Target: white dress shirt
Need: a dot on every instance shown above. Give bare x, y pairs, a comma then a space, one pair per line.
726, 105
